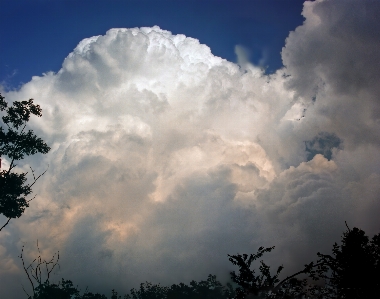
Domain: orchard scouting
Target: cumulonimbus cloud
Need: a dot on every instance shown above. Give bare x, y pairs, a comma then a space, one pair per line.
165, 158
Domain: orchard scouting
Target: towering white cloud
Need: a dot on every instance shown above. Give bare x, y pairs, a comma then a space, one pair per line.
166, 158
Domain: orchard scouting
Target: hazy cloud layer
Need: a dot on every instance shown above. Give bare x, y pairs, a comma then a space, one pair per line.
166, 158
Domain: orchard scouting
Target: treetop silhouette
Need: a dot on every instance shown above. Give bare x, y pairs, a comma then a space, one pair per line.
350, 272
16, 142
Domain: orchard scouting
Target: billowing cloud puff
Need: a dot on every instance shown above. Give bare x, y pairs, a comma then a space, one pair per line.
333, 60
166, 158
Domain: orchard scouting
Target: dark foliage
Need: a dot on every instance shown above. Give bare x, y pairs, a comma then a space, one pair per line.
351, 272
353, 269
63, 290
13, 191
247, 280
15, 143
206, 289
209, 289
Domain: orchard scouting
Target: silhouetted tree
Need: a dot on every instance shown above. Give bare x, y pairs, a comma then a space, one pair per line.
205, 289
209, 289
65, 290
353, 269
62, 290
39, 271
351, 272
251, 284
15, 143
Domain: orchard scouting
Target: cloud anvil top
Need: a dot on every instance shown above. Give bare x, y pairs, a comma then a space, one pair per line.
165, 158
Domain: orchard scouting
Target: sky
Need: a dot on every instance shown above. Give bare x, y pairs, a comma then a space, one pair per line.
37, 35
185, 131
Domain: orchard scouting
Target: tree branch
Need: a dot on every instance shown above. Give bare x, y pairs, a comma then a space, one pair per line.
305, 270
9, 219
35, 179
11, 166
39, 266
25, 269
25, 291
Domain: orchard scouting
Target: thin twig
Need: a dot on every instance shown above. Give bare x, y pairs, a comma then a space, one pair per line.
9, 219
35, 268
32, 198
275, 289
34, 177
25, 291
38, 176
347, 226
25, 269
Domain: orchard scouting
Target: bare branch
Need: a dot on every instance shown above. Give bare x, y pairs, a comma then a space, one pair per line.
32, 198
26, 268
9, 219
40, 268
305, 270
347, 226
35, 179
25, 291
